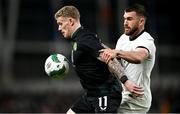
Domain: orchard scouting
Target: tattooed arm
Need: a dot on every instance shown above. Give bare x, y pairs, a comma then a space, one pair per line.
115, 67
117, 70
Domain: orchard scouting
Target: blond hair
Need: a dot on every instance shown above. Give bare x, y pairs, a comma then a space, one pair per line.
68, 11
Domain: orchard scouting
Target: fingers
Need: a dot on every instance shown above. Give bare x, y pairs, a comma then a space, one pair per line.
138, 94
138, 91
102, 50
104, 54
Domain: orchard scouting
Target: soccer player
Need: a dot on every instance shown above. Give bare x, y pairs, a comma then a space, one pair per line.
102, 90
136, 51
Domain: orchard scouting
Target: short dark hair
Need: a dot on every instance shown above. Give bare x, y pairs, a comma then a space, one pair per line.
138, 8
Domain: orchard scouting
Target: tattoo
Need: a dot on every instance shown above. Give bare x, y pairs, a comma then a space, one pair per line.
116, 68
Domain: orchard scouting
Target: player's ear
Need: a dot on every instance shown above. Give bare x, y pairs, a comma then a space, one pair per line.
71, 21
142, 21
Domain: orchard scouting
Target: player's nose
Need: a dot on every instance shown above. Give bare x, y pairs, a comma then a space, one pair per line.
59, 28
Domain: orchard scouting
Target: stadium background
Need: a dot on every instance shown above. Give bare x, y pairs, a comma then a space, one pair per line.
28, 34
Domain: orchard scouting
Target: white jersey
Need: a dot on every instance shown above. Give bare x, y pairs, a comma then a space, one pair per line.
138, 73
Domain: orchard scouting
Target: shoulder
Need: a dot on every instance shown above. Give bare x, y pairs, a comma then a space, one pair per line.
88, 40
87, 36
146, 36
122, 38
87, 33
146, 40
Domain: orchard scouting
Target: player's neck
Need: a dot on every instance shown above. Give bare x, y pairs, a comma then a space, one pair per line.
76, 26
136, 35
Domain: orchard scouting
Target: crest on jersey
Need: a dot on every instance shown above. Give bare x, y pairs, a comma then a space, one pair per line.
74, 46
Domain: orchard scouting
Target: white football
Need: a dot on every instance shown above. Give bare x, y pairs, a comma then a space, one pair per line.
56, 66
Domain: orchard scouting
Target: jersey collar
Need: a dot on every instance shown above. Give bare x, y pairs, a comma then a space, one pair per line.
133, 38
77, 31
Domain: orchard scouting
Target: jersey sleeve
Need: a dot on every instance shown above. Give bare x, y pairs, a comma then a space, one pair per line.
146, 43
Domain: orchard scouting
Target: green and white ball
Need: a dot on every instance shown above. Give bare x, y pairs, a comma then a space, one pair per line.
56, 66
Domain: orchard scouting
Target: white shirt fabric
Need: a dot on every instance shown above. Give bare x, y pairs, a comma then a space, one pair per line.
138, 73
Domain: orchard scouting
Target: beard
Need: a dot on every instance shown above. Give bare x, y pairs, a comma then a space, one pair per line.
131, 31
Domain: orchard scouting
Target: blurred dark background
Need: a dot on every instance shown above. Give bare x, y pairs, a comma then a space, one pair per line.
28, 35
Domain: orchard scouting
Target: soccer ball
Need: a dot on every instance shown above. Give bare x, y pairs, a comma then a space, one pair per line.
56, 66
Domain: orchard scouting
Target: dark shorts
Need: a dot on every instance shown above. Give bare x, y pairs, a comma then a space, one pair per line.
108, 103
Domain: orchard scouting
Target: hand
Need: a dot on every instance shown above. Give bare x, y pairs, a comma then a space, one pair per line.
107, 54
134, 89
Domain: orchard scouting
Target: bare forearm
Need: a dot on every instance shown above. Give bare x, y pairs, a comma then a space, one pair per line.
132, 57
116, 68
